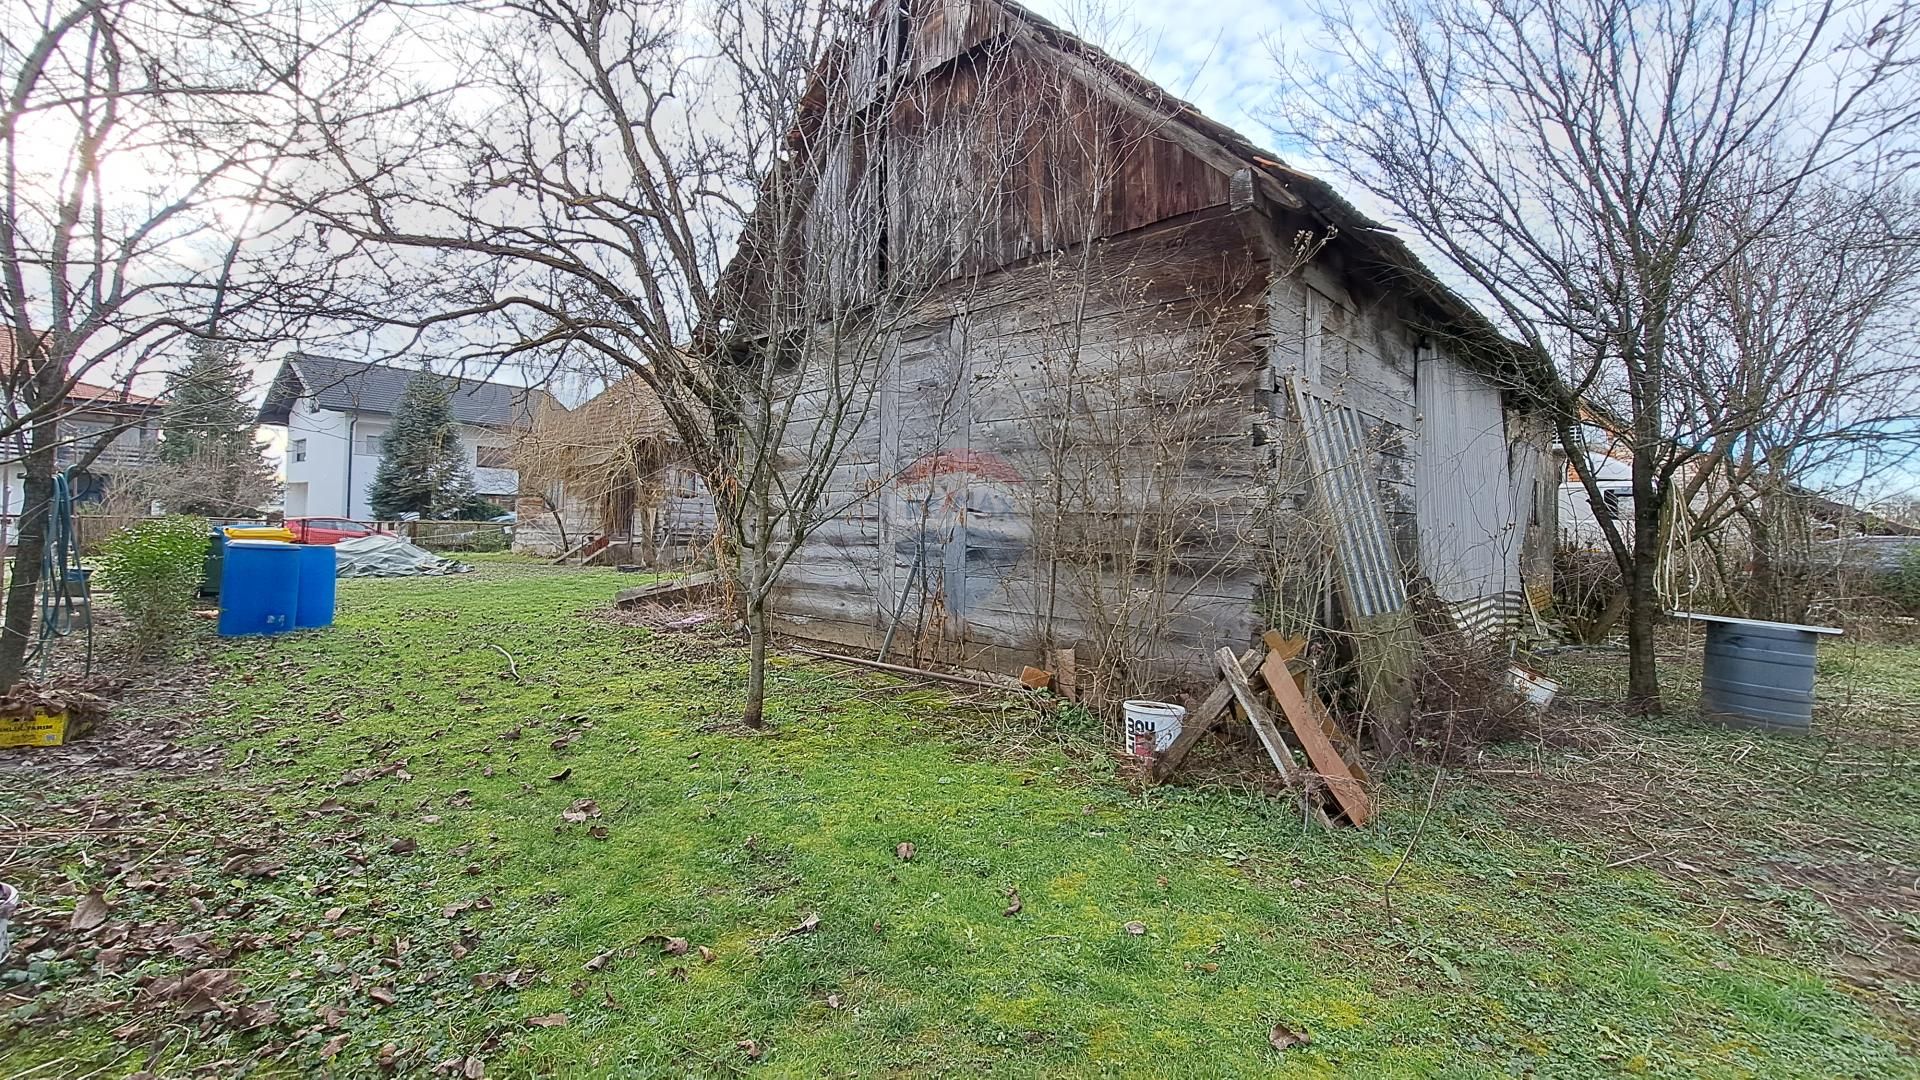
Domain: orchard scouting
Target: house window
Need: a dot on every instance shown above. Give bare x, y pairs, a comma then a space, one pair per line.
373, 445
492, 457
297, 449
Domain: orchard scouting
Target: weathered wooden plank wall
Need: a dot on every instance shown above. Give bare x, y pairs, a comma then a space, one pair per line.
996, 497
1080, 432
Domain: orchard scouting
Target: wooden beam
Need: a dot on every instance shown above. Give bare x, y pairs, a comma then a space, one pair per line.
902, 669
1277, 749
1350, 792
1066, 680
1200, 721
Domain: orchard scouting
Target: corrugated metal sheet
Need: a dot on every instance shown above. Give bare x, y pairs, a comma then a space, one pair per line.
1486, 619
1336, 437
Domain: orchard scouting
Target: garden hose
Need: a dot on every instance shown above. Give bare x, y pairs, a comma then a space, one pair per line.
66, 598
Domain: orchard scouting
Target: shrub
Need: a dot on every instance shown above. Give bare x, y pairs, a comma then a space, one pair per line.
153, 569
1902, 585
1465, 702
1587, 592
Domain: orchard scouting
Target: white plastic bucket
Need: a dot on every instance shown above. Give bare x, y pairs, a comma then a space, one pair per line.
1535, 687
9, 902
1151, 726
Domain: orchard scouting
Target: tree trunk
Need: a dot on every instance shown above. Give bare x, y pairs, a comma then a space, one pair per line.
1643, 594
30, 541
754, 715
1763, 584
649, 550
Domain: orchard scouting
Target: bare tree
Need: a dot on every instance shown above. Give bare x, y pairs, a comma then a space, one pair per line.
1798, 363
136, 141
693, 195
1569, 158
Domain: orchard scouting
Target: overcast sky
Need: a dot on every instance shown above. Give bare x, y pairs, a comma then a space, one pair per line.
1214, 54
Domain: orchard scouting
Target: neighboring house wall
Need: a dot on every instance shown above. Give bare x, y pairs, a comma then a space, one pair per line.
134, 447
1578, 526
343, 449
316, 462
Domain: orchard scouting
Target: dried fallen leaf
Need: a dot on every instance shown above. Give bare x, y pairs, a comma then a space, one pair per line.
254, 1017
333, 1046
904, 851
834, 1001
580, 811
195, 992
561, 776
551, 1020
403, 845
1283, 1037
335, 914
190, 946
599, 832
706, 954
675, 946
1135, 928
383, 994
750, 1048
90, 912
599, 963
1013, 903
807, 925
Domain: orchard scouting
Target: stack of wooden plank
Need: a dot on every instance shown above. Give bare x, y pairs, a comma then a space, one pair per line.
1331, 785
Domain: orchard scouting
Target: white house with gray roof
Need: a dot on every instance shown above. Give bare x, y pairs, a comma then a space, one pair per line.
336, 413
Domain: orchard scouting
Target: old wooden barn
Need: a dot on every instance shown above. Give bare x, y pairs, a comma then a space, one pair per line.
1140, 389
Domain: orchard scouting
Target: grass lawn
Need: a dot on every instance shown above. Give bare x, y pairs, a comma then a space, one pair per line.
411, 859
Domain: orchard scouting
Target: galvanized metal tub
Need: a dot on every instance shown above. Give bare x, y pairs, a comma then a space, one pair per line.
1758, 674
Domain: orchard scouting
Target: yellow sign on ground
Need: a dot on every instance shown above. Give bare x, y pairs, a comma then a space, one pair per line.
40, 729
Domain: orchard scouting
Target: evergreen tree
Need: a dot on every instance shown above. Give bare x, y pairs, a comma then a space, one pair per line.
422, 468
210, 461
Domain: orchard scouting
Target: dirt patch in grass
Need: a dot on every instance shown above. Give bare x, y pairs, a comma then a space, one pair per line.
1804, 847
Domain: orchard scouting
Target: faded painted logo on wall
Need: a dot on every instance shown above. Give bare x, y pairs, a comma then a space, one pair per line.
955, 520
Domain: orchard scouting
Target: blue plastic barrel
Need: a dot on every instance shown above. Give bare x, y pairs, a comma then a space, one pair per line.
259, 587
317, 579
